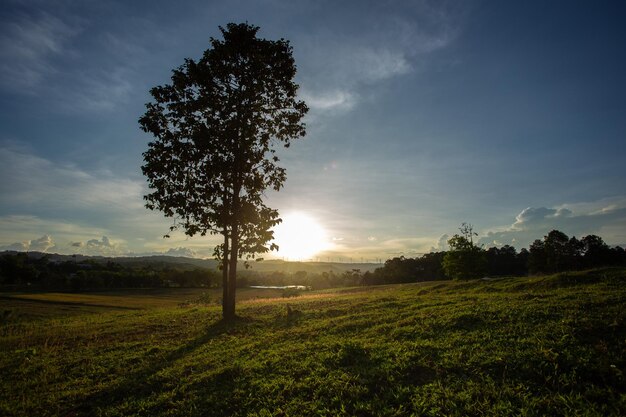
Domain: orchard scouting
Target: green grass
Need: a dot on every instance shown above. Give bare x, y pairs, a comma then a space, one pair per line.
524, 346
46, 305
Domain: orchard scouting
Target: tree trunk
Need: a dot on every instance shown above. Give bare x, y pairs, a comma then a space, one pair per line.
225, 298
232, 273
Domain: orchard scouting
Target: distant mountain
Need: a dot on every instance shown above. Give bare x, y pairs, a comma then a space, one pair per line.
266, 266
312, 267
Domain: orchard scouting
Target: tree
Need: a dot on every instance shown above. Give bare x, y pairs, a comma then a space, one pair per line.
465, 259
502, 261
574, 256
522, 261
561, 252
217, 127
595, 251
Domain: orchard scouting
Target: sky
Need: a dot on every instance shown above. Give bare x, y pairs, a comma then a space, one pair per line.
507, 115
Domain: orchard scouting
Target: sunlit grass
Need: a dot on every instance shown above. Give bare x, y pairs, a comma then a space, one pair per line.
526, 346
46, 305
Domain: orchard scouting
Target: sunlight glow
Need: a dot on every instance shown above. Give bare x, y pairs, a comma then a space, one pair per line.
299, 237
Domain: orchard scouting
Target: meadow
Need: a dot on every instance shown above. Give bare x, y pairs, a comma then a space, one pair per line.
553, 345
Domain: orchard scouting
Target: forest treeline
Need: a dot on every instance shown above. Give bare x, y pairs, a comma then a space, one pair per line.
19, 271
556, 252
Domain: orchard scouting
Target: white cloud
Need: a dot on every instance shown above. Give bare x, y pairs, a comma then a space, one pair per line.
605, 217
442, 244
46, 243
102, 247
329, 100
18, 246
531, 216
93, 247
181, 251
42, 244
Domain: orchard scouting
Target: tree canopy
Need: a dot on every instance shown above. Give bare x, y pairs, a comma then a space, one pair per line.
465, 259
216, 130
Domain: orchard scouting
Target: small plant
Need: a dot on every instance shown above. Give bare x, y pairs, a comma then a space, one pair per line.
8, 315
203, 299
291, 292
351, 354
292, 313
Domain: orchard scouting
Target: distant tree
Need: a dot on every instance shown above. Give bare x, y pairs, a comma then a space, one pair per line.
562, 253
537, 257
300, 277
502, 261
617, 256
352, 277
465, 259
216, 130
521, 261
368, 278
427, 267
430, 267
17, 269
595, 251
396, 270
557, 249
574, 256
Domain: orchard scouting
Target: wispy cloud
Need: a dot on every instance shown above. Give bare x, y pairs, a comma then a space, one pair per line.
29, 42
329, 100
370, 248
32, 181
69, 60
344, 58
97, 90
38, 196
24, 227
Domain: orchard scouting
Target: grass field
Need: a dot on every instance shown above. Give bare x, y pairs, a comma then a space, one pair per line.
47, 305
525, 346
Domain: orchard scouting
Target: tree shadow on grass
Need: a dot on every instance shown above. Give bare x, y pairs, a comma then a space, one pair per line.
139, 384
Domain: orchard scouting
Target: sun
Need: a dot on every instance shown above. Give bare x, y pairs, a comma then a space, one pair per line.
299, 237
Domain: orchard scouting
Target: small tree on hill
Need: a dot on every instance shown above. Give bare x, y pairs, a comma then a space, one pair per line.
465, 259
216, 129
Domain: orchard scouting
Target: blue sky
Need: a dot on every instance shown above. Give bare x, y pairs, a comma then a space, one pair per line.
424, 114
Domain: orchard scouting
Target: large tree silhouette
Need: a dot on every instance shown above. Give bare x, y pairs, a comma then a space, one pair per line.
217, 127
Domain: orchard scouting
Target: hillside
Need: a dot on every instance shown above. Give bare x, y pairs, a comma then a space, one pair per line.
269, 265
522, 346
